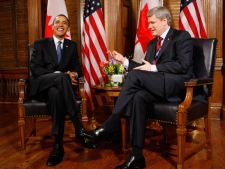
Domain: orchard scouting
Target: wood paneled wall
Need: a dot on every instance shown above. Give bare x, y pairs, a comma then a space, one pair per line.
24, 22
13, 33
120, 24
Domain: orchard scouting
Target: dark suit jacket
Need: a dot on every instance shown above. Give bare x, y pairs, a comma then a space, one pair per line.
44, 60
174, 61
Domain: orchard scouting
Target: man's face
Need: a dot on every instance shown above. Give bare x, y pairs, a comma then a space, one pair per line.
156, 26
60, 27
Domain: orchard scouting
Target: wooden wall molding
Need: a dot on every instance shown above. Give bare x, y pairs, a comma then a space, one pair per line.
34, 20
8, 86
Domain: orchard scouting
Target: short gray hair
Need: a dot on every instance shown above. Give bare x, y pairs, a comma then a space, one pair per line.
161, 13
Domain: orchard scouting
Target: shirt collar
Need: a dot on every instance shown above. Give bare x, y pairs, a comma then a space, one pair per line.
165, 33
57, 40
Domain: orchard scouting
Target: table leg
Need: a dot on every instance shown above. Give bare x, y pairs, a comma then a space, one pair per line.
124, 135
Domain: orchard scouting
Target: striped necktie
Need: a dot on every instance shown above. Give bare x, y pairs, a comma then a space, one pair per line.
158, 47
59, 51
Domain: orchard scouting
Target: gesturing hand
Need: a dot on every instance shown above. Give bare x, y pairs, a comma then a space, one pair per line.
146, 66
117, 56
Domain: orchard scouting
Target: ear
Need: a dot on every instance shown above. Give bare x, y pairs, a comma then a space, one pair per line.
68, 29
165, 21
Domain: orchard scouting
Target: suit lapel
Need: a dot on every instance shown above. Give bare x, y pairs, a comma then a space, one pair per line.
52, 49
166, 42
151, 51
65, 52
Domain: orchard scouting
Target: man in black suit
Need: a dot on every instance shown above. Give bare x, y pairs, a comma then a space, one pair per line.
55, 67
160, 77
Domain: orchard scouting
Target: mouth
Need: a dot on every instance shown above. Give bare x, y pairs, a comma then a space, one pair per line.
153, 31
60, 29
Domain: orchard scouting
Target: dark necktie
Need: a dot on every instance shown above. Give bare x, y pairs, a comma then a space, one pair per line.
59, 51
158, 46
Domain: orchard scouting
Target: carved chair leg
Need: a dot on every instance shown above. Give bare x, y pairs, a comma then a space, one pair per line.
208, 133
208, 137
181, 138
84, 118
21, 124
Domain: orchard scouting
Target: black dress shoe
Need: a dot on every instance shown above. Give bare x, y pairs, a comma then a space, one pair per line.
56, 155
98, 134
85, 142
133, 163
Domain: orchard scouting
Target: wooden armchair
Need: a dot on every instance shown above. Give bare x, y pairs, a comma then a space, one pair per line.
30, 108
181, 114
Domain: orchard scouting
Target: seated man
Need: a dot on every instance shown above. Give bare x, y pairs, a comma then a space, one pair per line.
55, 67
167, 65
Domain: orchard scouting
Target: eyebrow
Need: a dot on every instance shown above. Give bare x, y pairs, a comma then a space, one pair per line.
62, 21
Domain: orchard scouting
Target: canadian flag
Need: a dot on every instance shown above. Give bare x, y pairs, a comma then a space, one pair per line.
54, 8
143, 34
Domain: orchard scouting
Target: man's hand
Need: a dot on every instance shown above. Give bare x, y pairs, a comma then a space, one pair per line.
146, 66
72, 77
117, 56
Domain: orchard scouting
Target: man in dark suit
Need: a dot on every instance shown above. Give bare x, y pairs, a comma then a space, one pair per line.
160, 77
55, 67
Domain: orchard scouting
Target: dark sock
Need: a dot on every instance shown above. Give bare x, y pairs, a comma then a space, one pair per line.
58, 139
111, 122
77, 124
137, 152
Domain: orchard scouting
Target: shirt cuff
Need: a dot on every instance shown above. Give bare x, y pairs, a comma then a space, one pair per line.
126, 63
153, 68
76, 76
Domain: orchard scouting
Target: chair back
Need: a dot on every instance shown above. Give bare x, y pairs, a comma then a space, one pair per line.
204, 57
30, 51
204, 54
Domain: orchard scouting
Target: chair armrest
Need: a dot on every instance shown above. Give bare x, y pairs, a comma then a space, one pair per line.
81, 91
199, 82
190, 90
83, 112
81, 80
22, 85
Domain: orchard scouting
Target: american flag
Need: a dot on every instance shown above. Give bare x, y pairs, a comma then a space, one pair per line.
192, 18
94, 48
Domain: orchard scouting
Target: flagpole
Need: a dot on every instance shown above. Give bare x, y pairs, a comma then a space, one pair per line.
81, 19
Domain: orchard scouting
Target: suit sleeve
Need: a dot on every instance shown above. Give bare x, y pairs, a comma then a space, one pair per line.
37, 63
177, 58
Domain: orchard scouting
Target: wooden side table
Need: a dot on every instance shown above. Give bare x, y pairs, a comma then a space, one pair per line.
112, 92
106, 91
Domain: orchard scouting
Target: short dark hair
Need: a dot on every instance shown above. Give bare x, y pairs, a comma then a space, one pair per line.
63, 16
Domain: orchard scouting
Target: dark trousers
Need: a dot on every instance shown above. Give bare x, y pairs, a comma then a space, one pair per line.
141, 88
57, 89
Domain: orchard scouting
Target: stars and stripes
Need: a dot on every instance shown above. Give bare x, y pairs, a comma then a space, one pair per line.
94, 48
192, 18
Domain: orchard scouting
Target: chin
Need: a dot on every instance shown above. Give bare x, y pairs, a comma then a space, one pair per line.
154, 34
